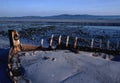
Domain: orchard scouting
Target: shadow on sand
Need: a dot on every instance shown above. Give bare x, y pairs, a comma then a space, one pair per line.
4, 78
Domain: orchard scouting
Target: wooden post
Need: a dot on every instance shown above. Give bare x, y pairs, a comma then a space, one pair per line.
67, 41
41, 43
92, 43
75, 43
59, 40
51, 41
14, 41
15, 47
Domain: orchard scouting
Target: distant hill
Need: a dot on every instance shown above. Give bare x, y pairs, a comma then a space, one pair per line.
67, 16
84, 17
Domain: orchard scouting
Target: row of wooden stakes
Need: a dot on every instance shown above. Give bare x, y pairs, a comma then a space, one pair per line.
59, 42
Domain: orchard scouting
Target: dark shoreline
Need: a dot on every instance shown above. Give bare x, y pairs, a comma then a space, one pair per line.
68, 21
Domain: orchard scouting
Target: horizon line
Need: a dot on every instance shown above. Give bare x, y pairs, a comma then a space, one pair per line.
59, 15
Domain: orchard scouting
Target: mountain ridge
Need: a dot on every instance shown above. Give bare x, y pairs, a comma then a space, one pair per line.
69, 16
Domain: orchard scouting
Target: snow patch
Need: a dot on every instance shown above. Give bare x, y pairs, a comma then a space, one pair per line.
69, 68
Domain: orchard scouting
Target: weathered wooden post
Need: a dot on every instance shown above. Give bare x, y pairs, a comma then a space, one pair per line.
51, 41
67, 41
14, 42
15, 47
41, 43
92, 43
75, 43
59, 40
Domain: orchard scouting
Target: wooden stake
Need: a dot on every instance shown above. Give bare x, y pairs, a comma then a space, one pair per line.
92, 43
51, 41
59, 40
67, 41
42, 42
75, 43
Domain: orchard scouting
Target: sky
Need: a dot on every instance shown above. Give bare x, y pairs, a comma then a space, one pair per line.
11, 8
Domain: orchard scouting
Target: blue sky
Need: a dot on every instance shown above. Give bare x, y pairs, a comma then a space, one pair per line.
55, 7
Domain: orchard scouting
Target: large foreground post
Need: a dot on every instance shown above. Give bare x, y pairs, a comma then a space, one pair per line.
15, 47
14, 41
